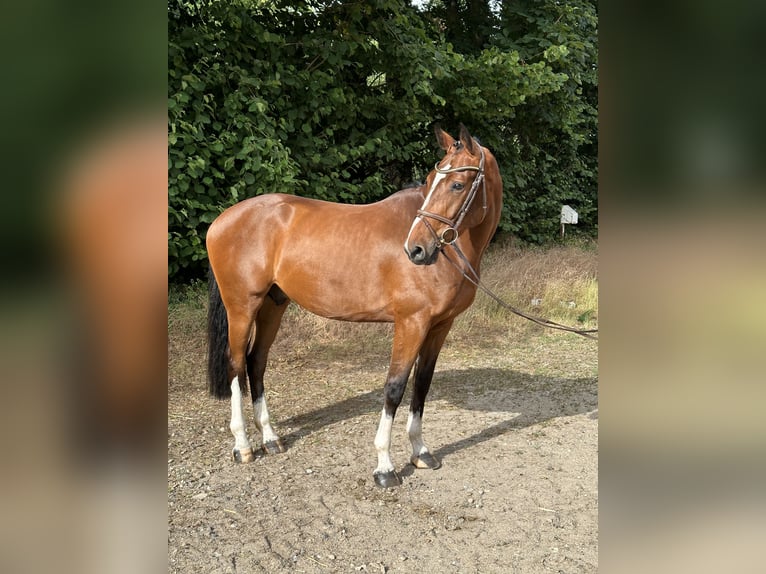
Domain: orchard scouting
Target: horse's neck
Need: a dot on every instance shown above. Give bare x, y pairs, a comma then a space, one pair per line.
476, 240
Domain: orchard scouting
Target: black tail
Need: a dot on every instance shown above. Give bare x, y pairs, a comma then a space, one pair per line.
217, 343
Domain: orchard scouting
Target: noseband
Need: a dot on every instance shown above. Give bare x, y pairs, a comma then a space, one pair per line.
450, 234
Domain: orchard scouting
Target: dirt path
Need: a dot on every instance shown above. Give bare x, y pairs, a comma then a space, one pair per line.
515, 428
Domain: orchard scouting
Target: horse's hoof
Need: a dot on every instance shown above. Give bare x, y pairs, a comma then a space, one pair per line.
426, 460
387, 479
243, 455
274, 447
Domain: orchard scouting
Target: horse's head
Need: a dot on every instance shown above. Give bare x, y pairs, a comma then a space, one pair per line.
449, 207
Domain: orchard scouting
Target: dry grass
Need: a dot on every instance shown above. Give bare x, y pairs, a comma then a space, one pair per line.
558, 283
563, 278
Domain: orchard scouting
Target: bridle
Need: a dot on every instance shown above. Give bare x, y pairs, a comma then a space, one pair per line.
449, 235
467, 270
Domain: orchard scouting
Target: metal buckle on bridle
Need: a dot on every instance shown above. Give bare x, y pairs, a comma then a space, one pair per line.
443, 237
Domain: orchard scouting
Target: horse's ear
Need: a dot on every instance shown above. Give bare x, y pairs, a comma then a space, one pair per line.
466, 139
445, 140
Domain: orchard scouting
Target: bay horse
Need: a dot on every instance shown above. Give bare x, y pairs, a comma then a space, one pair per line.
346, 262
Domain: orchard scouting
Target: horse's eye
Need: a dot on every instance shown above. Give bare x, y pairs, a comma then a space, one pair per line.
457, 186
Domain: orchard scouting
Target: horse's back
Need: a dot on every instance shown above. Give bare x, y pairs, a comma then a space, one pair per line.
248, 210
279, 211
260, 226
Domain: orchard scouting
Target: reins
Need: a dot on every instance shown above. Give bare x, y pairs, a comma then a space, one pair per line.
476, 281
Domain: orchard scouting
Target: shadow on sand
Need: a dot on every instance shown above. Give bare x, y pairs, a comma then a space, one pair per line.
535, 398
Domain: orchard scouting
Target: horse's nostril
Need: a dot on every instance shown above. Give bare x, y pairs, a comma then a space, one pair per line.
417, 253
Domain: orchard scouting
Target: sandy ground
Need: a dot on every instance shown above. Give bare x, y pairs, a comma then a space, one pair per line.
515, 426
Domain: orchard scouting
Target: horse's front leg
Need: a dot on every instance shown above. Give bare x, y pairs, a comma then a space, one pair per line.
408, 336
424, 372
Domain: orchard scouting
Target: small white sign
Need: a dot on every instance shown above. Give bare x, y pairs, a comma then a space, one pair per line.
568, 215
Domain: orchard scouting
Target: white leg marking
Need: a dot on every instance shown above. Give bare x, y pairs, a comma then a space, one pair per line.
437, 179
237, 424
415, 432
383, 443
262, 420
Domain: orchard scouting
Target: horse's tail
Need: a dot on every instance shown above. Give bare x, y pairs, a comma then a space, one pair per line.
217, 342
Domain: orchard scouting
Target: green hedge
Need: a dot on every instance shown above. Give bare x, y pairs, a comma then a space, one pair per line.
336, 100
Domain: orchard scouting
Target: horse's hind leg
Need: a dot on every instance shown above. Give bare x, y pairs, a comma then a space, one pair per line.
424, 372
266, 326
240, 327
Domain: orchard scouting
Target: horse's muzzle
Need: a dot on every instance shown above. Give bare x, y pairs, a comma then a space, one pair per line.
420, 256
